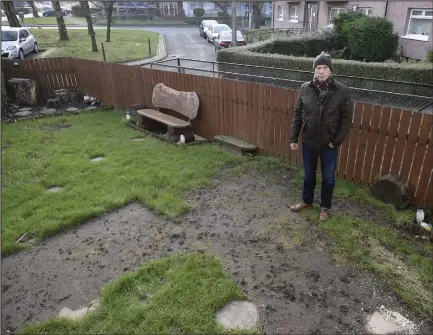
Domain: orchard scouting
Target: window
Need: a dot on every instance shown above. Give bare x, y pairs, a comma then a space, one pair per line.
194, 5
420, 24
280, 13
333, 13
169, 8
293, 13
366, 10
25, 33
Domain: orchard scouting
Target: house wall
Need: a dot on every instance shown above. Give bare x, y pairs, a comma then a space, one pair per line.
398, 12
287, 22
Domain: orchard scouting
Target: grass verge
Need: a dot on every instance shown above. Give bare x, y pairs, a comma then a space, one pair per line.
175, 295
125, 45
46, 20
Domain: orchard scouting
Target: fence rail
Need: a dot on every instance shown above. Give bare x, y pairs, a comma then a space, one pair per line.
398, 94
382, 140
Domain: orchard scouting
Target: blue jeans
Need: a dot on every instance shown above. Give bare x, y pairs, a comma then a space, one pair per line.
328, 161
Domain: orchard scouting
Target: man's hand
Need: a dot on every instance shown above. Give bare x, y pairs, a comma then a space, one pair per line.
294, 146
330, 145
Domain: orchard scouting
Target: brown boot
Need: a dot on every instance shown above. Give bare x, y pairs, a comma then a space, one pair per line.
324, 214
299, 207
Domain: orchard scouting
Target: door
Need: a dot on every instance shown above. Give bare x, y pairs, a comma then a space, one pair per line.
28, 43
311, 16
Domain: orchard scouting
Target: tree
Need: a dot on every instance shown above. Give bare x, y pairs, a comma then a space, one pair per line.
257, 14
109, 15
371, 39
63, 33
198, 12
33, 7
86, 10
8, 7
222, 5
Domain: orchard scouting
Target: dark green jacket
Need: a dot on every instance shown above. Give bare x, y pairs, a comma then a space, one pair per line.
322, 123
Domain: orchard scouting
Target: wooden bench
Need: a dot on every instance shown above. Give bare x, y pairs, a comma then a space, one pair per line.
183, 103
236, 145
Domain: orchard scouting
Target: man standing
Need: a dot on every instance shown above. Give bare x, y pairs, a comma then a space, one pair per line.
323, 114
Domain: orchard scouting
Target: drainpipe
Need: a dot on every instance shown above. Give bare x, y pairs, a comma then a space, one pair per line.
272, 17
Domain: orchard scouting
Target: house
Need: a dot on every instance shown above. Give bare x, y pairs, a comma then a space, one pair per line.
211, 10
412, 19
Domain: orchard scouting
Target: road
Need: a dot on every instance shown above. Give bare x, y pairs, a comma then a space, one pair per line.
182, 42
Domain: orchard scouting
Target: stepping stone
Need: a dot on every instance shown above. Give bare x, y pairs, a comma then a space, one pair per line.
137, 139
23, 113
79, 313
90, 107
385, 321
71, 109
97, 159
238, 315
377, 324
48, 111
55, 189
236, 145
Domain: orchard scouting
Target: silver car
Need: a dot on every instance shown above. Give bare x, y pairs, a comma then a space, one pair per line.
17, 42
213, 31
224, 39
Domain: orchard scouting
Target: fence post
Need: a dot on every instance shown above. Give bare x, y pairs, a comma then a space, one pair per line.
150, 49
103, 51
213, 69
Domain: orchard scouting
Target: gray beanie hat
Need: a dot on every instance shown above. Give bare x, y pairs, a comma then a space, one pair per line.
323, 59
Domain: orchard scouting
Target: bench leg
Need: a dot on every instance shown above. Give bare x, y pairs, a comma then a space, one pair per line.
149, 124
174, 134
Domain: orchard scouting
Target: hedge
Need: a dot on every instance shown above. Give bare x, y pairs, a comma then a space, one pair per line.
253, 54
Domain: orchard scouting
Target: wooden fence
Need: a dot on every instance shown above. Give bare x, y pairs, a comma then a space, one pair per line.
381, 141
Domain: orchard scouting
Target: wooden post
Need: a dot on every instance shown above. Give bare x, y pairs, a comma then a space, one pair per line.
103, 51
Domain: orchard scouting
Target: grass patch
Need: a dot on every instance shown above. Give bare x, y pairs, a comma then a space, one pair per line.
45, 20
150, 171
175, 295
147, 22
125, 45
381, 250
405, 264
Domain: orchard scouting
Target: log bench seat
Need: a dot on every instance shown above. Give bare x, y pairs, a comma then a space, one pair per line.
166, 119
184, 104
236, 145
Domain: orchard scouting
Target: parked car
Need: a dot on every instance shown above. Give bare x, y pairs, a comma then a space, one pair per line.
204, 25
17, 42
213, 31
52, 12
224, 40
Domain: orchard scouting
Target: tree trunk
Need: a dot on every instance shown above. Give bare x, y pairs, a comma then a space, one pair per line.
86, 8
8, 7
109, 15
63, 33
33, 7
257, 15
